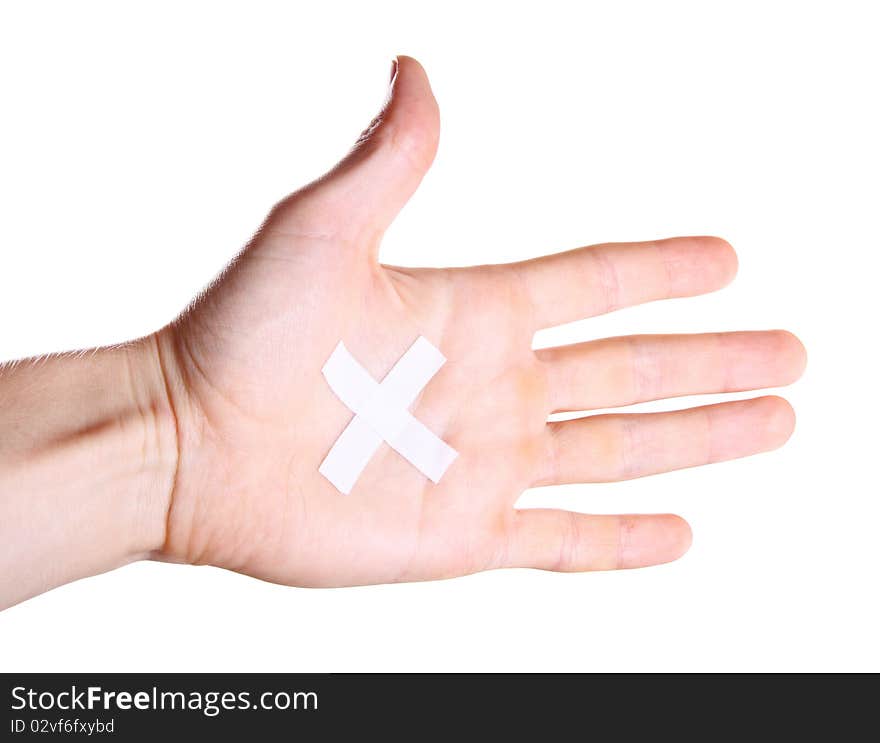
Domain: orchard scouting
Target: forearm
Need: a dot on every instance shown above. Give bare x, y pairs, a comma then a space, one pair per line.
88, 454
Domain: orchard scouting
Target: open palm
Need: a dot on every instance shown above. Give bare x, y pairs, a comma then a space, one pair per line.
255, 417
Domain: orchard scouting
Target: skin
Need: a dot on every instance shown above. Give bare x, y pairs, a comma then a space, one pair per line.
201, 443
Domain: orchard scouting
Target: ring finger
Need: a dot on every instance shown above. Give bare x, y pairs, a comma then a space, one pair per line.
604, 448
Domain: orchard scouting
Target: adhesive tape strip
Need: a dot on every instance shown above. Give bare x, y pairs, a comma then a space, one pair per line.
381, 415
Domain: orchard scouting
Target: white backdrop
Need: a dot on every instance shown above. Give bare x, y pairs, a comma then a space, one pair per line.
140, 144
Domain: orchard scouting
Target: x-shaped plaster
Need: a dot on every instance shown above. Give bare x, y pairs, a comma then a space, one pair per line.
381, 415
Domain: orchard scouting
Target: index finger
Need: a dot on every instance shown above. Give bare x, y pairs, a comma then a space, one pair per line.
592, 281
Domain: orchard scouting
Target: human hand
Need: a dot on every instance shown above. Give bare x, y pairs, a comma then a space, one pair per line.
255, 417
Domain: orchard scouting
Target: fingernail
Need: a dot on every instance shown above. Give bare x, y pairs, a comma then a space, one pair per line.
393, 71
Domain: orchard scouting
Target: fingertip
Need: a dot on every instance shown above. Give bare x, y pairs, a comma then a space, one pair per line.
408, 62
653, 539
684, 533
778, 419
410, 82
723, 258
698, 264
792, 355
412, 118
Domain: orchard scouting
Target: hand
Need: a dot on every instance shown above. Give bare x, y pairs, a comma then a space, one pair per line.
255, 417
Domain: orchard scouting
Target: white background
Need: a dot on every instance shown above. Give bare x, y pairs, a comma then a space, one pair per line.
140, 144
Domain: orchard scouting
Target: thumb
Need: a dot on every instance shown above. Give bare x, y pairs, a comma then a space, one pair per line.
362, 194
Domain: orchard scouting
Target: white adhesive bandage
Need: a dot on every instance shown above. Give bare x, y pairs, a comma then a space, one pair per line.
381, 415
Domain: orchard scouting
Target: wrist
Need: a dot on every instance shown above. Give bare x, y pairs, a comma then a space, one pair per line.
88, 458
156, 432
